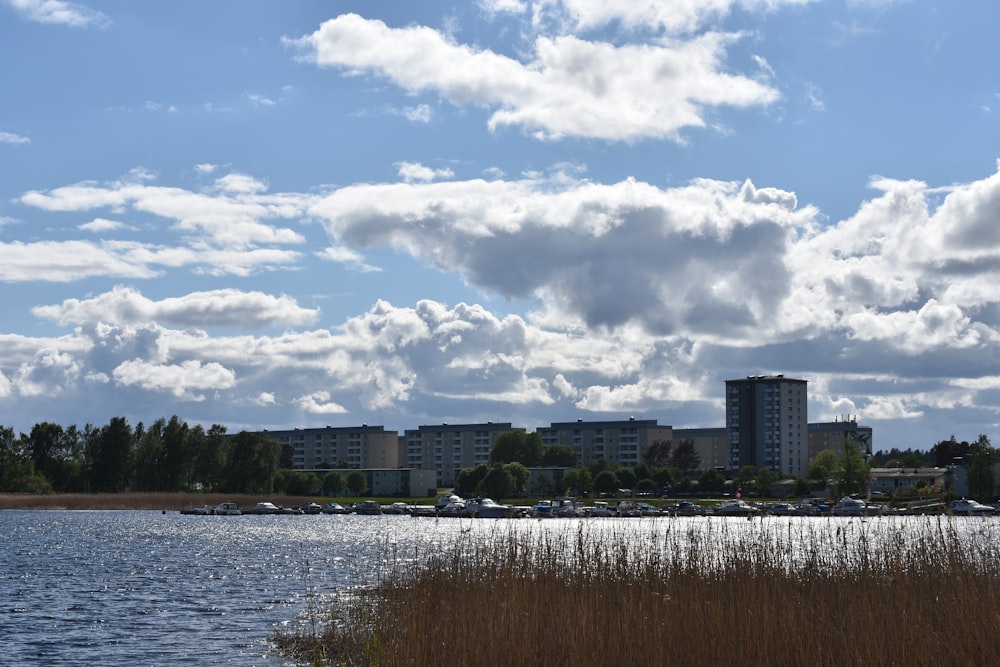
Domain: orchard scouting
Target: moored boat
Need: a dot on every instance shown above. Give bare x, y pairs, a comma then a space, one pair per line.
967, 507
227, 509
368, 507
736, 507
854, 507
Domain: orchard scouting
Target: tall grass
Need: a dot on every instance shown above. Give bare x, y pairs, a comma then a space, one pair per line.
867, 593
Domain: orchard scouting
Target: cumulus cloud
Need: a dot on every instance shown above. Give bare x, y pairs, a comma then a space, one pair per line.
605, 254
225, 228
11, 138
72, 14
415, 172
185, 380
225, 307
570, 87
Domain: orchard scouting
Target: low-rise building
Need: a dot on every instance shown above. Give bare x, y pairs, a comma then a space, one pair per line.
622, 442
449, 448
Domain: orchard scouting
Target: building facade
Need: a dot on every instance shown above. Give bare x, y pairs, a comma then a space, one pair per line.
833, 436
712, 445
323, 448
623, 442
767, 424
448, 448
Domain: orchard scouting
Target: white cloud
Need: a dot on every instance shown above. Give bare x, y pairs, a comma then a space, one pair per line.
73, 14
414, 172
11, 138
572, 87
318, 403
98, 225
125, 306
342, 255
421, 113
184, 381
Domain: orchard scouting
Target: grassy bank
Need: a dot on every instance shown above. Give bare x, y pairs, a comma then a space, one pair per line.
870, 594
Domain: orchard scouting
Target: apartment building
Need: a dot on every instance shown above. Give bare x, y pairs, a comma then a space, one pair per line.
767, 423
833, 435
448, 448
622, 441
323, 448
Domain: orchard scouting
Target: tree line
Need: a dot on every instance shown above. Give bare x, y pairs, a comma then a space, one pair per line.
167, 455
675, 467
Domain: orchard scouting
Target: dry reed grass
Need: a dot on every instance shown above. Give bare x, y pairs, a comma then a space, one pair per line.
136, 501
811, 596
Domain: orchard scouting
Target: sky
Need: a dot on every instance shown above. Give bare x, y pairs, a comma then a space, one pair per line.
300, 214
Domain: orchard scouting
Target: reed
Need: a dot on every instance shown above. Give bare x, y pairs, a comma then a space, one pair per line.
868, 593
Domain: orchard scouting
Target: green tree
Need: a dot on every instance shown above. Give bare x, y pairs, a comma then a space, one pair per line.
979, 468
658, 453
606, 482
253, 463
852, 471
822, 467
686, 457
148, 457
949, 452
111, 456
211, 458
520, 474
468, 479
559, 456
177, 459
357, 483
578, 481
645, 485
13, 458
711, 481
297, 483
333, 483
626, 477
497, 484
511, 446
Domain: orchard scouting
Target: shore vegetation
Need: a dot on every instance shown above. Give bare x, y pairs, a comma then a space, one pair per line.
874, 592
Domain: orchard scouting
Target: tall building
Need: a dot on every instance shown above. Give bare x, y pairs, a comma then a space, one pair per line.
360, 446
767, 423
623, 441
448, 448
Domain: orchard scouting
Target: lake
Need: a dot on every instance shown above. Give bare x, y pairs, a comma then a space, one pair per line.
152, 588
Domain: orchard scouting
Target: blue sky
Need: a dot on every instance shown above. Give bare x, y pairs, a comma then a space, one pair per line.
269, 215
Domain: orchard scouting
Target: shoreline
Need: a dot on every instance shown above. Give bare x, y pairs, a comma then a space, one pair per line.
160, 501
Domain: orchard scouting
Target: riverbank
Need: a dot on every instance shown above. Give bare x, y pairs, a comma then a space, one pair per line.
138, 501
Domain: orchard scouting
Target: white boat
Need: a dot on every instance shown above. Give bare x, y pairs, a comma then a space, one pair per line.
454, 508
311, 508
265, 508
735, 507
334, 508
598, 509
487, 508
966, 507
396, 508
854, 507
445, 499
227, 509
368, 507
